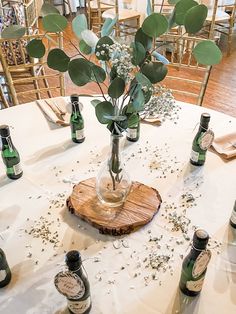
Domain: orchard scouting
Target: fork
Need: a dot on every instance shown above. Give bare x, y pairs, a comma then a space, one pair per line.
55, 109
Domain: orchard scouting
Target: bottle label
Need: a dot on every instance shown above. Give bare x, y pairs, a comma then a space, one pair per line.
79, 134
194, 156
79, 307
70, 285
201, 263
233, 217
17, 169
3, 274
206, 139
132, 133
195, 286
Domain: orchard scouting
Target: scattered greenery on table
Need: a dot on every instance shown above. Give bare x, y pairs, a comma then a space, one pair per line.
131, 71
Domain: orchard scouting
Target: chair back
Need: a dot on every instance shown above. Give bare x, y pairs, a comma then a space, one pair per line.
27, 77
186, 78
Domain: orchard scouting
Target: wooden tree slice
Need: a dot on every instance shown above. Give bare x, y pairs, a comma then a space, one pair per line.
142, 203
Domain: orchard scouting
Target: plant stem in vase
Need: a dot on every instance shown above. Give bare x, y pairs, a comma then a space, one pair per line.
113, 182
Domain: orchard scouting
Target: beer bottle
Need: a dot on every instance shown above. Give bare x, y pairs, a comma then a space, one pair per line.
233, 217
133, 132
201, 142
5, 272
194, 265
76, 121
10, 155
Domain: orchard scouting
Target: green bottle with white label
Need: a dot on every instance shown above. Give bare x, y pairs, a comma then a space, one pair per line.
233, 217
10, 155
76, 121
194, 265
5, 272
201, 142
133, 132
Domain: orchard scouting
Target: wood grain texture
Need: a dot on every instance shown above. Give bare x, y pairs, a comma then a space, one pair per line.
142, 203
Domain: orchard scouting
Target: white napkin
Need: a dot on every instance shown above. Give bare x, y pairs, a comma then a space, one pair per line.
225, 145
55, 110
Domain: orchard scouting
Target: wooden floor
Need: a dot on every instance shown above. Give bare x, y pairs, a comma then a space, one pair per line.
220, 94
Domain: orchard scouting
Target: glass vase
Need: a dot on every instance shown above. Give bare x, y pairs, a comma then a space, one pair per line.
113, 182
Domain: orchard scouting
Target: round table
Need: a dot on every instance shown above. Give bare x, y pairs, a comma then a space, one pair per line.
119, 271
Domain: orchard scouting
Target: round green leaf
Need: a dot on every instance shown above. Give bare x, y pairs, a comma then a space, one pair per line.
181, 9
147, 87
144, 39
84, 48
101, 50
89, 37
104, 108
116, 88
195, 18
155, 25
47, 8
36, 48
98, 74
108, 26
207, 53
54, 23
139, 53
58, 60
133, 120
13, 32
154, 71
80, 71
138, 99
173, 1
79, 24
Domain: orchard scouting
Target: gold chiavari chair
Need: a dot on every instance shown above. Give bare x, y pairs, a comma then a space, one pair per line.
128, 20
221, 19
186, 78
27, 79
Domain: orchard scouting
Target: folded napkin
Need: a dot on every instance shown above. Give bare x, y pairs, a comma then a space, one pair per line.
225, 145
55, 110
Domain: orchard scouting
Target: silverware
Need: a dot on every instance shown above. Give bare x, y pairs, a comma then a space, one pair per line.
55, 109
59, 109
233, 144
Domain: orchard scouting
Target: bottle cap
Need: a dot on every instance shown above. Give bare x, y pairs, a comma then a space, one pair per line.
205, 118
74, 97
73, 259
200, 239
4, 130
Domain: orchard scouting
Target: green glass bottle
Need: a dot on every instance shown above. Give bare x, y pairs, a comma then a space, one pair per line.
233, 217
194, 265
201, 142
133, 132
83, 303
5, 272
10, 155
76, 121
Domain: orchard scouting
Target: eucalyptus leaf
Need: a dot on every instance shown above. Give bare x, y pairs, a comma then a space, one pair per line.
172, 2
160, 57
98, 74
146, 86
80, 71
79, 24
13, 32
171, 20
133, 120
207, 53
104, 108
84, 48
139, 53
101, 50
138, 99
154, 71
58, 60
90, 38
195, 18
95, 102
155, 25
144, 39
108, 26
36, 48
54, 23
48, 8
116, 88
181, 9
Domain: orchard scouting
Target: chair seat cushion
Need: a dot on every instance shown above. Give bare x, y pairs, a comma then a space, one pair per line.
124, 14
220, 16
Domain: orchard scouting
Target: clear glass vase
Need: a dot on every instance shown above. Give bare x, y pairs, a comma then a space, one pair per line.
113, 182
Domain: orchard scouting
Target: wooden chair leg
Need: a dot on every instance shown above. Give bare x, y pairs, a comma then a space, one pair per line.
46, 82
3, 98
35, 82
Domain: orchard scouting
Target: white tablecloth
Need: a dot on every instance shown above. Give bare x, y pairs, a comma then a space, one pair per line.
52, 164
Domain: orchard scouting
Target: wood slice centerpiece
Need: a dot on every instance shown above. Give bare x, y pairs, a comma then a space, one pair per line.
142, 203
